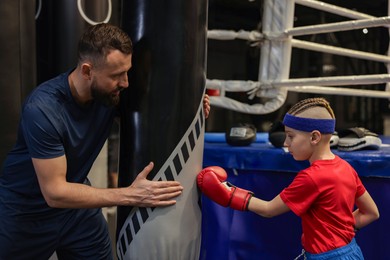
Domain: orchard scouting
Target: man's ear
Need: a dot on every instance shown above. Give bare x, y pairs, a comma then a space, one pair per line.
86, 70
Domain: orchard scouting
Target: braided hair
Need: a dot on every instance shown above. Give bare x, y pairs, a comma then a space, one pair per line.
308, 103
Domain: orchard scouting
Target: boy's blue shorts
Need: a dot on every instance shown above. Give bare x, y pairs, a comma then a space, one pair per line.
78, 234
348, 252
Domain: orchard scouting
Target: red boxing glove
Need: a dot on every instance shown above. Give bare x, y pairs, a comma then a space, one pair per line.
212, 182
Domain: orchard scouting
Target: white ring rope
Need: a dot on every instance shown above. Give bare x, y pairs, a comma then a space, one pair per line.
256, 36
232, 35
275, 88
91, 22
338, 27
339, 51
299, 31
252, 87
333, 81
333, 9
341, 91
244, 86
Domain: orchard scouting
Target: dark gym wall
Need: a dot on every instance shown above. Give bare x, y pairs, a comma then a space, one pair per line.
17, 65
38, 41
59, 26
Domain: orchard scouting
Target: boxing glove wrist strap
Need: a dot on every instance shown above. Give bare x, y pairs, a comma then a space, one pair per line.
240, 198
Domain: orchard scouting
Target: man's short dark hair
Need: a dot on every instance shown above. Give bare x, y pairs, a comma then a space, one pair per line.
99, 39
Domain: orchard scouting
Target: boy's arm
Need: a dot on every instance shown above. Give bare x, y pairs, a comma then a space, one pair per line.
366, 211
268, 209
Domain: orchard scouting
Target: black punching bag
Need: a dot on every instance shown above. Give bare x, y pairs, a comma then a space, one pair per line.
162, 121
17, 65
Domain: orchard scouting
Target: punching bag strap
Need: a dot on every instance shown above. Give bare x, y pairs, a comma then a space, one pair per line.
91, 22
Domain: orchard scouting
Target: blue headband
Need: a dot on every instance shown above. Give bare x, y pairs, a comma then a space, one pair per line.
325, 126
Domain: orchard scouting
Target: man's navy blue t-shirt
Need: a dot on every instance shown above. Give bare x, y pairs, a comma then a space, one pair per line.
52, 124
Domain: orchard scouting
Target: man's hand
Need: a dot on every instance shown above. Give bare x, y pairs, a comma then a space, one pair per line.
146, 193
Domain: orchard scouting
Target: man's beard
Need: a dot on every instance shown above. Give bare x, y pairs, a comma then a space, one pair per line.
107, 99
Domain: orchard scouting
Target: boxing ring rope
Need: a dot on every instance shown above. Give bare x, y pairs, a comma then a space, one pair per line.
340, 26
304, 30
340, 51
274, 89
333, 9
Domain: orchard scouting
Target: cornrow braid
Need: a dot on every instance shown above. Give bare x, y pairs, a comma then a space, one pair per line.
305, 104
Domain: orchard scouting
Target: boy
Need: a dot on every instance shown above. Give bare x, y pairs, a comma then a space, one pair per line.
323, 195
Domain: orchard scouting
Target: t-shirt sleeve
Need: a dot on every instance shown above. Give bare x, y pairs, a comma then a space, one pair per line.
360, 187
40, 131
300, 194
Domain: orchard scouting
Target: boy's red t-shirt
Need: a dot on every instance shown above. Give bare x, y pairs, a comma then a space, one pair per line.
324, 195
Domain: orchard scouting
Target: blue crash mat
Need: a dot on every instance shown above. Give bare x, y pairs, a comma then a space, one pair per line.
261, 155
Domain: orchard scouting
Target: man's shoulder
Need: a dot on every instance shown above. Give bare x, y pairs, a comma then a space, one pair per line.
50, 91
59, 83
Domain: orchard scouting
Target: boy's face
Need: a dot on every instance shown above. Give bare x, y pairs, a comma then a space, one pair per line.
298, 144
